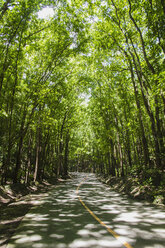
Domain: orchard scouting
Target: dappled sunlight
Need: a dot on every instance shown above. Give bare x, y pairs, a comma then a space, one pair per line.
79, 243
131, 219
32, 238
61, 221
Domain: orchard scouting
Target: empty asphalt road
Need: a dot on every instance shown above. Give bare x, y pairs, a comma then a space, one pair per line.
68, 217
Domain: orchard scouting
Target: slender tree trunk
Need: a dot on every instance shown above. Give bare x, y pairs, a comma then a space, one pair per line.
28, 160
36, 163
37, 172
22, 134
113, 160
66, 155
17, 175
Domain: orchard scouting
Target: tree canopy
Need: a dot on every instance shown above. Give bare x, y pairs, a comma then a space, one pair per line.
82, 88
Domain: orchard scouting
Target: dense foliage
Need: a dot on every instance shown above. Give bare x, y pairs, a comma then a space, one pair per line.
83, 89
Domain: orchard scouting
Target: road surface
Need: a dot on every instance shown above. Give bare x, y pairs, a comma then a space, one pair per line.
60, 220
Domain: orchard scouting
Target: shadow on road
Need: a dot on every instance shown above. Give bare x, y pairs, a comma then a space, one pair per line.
60, 220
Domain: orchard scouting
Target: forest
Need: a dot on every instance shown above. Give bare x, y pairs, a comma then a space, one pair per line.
82, 89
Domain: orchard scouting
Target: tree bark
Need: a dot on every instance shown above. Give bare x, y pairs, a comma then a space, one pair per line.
28, 160
66, 155
22, 134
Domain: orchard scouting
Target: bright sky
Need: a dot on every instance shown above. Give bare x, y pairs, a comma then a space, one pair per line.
46, 13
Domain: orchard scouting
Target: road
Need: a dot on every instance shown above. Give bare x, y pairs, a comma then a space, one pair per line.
61, 221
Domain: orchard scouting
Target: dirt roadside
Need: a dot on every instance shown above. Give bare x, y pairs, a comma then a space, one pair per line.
134, 189
15, 202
